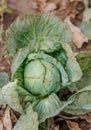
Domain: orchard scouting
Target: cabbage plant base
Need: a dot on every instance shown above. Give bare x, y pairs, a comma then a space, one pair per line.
43, 63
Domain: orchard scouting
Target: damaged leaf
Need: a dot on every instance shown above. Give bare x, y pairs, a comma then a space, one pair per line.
7, 120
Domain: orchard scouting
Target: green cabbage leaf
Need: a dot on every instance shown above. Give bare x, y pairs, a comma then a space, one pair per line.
27, 121
42, 32
81, 102
11, 97
4, 79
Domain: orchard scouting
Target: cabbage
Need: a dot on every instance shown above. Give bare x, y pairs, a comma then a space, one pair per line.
43, 63
41, 77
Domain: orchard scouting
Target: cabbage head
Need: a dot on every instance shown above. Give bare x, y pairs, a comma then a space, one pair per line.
41, 77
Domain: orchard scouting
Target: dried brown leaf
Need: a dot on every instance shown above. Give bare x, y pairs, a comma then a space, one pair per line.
78, 37
75, 0
7, 120
22, 6
87, 117
1, 125
50, 7
51, 125
72, 125
13, 118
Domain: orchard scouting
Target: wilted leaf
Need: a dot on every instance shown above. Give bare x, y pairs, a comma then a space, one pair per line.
78, 37
72, 125
11, 96
4, 79
7, 120
81, 102
28, 121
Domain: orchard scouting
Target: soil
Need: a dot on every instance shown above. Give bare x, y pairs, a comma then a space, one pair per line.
64, 9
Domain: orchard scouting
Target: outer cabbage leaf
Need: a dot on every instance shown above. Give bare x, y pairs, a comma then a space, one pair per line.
11, 97
25, 96
49, 107
42, 32
81, 102
2, 100
72, 66
28, 121
84, 61
4, 79
18, 60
